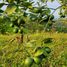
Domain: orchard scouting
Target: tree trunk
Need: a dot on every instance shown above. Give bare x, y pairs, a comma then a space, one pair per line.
21, 38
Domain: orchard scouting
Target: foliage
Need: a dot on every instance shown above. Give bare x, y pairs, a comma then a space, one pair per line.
11, 54
16, 11
60, 25
3, 26
38, 49
23, 12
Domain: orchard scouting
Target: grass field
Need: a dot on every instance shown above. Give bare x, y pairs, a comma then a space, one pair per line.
13, 54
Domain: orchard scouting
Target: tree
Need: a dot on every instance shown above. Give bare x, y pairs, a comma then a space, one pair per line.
16, 13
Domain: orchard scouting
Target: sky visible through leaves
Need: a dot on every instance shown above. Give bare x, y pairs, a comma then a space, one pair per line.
54, 4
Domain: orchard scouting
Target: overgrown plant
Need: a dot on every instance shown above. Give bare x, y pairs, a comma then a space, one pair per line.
17, 14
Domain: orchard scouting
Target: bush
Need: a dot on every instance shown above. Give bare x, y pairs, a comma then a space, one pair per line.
4, 26
60, 26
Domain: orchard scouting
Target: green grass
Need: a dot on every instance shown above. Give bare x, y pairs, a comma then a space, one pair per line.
13, 54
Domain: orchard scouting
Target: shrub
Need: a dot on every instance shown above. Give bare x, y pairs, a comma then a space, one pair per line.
60, 26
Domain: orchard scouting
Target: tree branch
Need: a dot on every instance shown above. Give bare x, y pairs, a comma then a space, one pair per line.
53, 13
58, 8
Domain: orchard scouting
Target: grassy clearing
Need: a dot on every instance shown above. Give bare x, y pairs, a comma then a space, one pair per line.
13, 54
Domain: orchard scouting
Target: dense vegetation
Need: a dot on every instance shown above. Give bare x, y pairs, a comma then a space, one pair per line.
30, 36
14, 54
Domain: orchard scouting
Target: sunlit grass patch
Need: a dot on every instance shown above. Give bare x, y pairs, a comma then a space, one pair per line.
14, 53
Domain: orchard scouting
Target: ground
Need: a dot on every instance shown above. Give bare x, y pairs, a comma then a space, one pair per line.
13, 54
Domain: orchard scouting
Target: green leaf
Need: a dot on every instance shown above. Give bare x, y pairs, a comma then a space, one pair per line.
1, 4
43, 0
10, 1
1, 11
37, 60
51, 0
39, 52
46, 0
10, 9
33, 17
27, 4
25, 30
